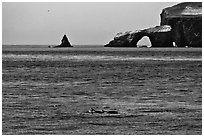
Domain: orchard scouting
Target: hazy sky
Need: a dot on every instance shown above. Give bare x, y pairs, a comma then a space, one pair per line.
84, 23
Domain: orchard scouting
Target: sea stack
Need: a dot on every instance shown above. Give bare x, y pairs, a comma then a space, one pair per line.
64, 43
180, 26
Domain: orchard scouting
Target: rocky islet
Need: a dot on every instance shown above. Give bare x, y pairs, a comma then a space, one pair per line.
181, 26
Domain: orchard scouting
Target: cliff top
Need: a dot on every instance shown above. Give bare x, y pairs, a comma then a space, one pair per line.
163, 28
184, 9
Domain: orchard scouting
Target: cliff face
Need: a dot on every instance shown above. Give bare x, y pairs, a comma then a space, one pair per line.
186, 22
180, 24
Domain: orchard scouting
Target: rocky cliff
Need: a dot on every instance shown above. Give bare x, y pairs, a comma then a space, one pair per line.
186, 22
180, 24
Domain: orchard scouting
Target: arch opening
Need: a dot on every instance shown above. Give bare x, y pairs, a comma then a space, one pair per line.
144, 42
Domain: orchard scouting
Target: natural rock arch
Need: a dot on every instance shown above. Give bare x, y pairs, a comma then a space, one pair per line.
157, 39
181, 25
159, 36
140, 36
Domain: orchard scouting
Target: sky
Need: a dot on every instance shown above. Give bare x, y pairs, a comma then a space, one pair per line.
84, 23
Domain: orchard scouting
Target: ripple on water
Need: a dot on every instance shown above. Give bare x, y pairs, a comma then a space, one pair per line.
29, 57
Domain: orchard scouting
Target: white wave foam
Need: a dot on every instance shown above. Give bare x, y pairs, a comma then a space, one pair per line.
92, 58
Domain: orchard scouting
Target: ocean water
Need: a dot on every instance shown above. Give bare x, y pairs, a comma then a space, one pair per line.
50, 91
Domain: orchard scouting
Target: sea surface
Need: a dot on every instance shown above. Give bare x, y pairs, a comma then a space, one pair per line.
50, 91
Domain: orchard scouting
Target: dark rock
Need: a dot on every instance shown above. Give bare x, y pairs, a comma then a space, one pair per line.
159, 37
186, 22
64, 43
181, 26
